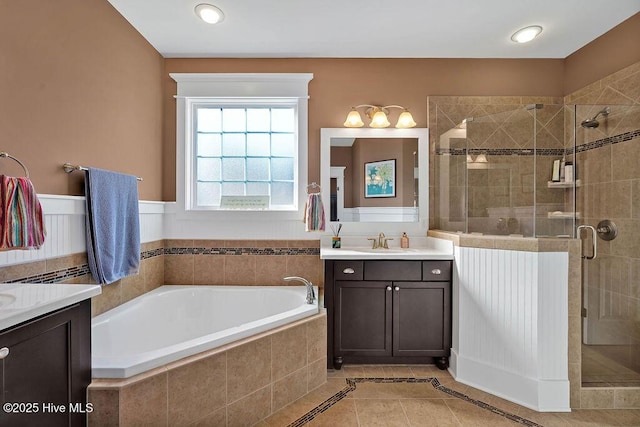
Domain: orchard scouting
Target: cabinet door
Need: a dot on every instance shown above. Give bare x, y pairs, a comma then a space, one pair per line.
45, 366
421, 319
363, 318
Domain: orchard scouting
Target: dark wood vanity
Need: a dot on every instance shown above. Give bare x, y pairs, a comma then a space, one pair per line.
46, 368
388, 311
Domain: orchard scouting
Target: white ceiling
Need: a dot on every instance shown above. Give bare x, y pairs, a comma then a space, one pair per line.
374, 28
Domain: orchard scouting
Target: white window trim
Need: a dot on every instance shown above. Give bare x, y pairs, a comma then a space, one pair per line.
193, 87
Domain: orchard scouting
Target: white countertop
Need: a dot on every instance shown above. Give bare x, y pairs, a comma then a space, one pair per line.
358, 247
24, 301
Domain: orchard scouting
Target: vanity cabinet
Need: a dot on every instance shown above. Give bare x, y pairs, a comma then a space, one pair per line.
47, 368
382, 311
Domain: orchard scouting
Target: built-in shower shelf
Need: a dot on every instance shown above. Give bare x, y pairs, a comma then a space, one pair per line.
563, 215
563, 184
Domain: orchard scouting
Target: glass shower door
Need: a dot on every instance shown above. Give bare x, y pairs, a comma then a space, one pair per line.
607, 158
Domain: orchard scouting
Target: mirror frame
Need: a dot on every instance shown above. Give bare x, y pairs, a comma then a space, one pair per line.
422, 135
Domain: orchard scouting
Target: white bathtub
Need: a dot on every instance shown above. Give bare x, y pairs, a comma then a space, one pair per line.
172, 322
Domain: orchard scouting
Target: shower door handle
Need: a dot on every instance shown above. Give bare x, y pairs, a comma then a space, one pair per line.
594, 240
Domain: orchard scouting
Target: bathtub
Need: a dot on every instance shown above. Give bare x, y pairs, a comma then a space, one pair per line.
172, 322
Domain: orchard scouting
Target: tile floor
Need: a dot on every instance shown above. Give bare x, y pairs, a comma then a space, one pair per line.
422, 404
609, 366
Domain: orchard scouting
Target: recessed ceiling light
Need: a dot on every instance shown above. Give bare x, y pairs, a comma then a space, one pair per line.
209, 13
526, 34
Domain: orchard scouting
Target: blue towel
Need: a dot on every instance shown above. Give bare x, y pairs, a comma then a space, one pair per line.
113, 225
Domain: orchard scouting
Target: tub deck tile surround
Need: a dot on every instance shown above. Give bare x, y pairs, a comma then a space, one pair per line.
233, 384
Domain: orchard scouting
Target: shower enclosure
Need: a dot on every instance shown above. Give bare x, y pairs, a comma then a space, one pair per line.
494, 170
608, 156
497, 171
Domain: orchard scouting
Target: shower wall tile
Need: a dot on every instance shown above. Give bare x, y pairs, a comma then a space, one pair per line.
625, 160
617, 199
627, 243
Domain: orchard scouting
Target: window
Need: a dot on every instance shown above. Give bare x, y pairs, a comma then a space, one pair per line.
242, 142
243, 151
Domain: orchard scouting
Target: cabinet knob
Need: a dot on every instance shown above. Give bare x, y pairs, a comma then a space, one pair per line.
436, 271
397, 288
4, 352
348, 270
388, 288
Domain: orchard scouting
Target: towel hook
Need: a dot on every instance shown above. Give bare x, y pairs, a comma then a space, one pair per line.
7, 155
312, 186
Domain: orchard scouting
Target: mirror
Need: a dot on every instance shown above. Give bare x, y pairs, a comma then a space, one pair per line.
375, 175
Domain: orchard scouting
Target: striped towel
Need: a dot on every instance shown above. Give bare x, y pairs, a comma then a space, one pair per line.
314, 213
22, 225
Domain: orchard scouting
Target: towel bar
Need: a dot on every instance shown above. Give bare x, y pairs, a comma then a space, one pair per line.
7, 155
68, 168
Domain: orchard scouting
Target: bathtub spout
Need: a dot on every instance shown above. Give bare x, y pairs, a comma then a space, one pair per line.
311, 295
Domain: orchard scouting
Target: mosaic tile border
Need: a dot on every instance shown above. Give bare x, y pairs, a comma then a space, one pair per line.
502, 151
616, 139
54, 276
352, 385
242, 251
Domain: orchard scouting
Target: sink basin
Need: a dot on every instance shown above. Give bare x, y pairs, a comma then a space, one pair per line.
6, 299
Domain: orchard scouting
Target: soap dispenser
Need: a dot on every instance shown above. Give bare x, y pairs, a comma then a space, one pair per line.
404, 241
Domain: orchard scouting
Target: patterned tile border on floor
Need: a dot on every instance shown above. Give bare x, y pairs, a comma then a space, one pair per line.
351, 386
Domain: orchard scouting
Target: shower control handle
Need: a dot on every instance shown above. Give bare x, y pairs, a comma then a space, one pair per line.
607, 229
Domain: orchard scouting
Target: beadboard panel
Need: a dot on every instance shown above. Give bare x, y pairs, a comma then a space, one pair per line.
511, 334
64, 218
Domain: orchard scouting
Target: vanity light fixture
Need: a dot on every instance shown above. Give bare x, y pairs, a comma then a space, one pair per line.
379, 117
209, 13
526, 34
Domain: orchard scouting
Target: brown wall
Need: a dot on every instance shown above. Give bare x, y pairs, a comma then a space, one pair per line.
613, 51
78, 85
340, 83
81, 85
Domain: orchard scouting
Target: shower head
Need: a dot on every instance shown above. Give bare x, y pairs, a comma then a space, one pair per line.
592, 122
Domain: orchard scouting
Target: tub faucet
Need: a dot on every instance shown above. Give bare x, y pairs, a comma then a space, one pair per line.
311, 295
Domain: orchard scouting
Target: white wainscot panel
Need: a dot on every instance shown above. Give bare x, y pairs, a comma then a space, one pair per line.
64, 218
511, 325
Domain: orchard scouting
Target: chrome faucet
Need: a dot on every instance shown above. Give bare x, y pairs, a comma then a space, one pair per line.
381, 242
311, 295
